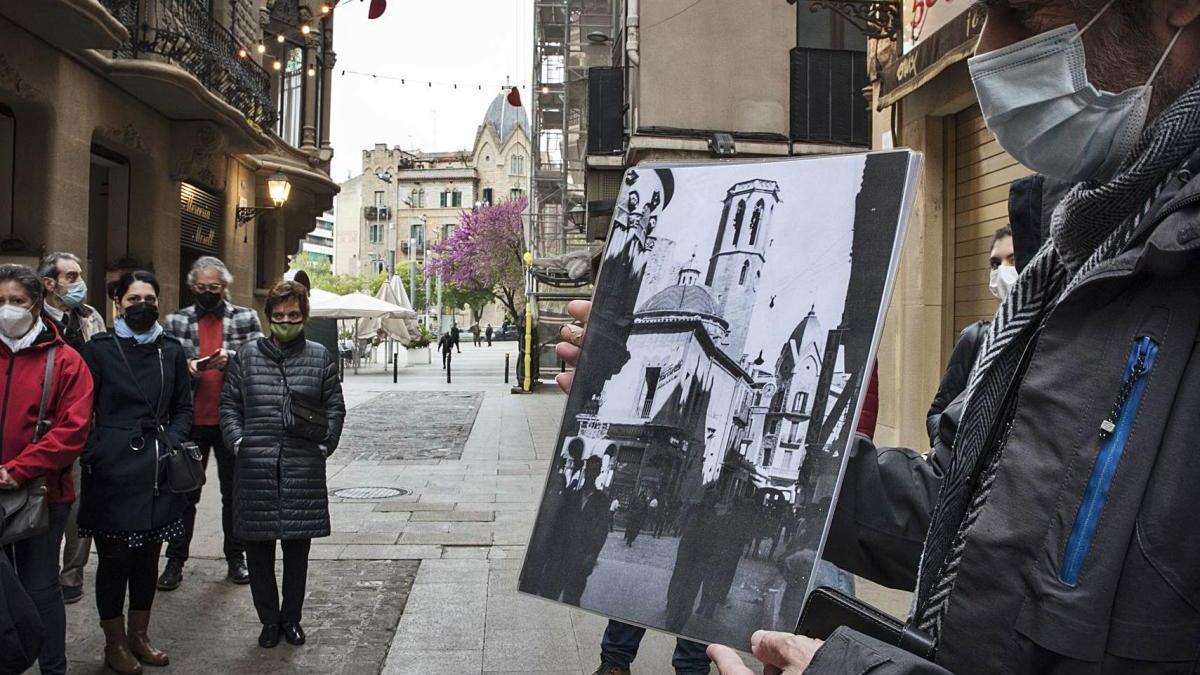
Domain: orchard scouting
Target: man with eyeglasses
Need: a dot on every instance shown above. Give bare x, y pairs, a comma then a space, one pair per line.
212, 331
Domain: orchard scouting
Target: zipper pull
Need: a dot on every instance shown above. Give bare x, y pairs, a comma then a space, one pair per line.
1109, 425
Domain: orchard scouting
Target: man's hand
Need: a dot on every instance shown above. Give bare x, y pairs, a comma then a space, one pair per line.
220, 360
572, 340
192, 369
7, 480
780, 654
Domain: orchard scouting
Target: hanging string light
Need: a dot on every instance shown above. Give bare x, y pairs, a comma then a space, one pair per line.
429, 84
280, 38
305, 29
312, 71
242, 53
277, 65
260, 48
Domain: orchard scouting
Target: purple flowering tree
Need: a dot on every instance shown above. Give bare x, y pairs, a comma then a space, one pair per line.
484, 253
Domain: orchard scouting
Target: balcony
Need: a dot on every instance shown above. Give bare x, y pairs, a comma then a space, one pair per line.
67, 24
181, 33
371, 212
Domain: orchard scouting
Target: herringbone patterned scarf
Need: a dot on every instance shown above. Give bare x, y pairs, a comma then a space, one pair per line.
1091, 226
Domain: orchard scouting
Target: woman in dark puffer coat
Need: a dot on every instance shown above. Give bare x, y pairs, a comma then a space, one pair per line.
280, 492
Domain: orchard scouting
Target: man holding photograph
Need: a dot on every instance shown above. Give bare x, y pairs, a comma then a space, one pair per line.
212, 331
1078, 553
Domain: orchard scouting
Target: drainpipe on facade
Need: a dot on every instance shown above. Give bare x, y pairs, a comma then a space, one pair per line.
631, 33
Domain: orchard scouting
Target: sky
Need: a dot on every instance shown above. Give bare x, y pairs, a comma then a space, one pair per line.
472, 43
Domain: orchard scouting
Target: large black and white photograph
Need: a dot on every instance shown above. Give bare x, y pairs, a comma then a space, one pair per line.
732, 336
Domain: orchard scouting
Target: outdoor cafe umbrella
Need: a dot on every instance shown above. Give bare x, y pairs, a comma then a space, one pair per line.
356, 306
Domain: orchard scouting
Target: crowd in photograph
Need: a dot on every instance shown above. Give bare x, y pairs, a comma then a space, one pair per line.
107, 433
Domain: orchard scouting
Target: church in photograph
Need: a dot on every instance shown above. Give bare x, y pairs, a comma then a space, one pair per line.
689, 410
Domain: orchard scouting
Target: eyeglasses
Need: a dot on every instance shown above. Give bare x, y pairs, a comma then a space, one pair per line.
211, 288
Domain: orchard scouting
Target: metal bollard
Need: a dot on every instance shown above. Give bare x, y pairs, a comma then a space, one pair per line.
448, 363
506, 367
395, 367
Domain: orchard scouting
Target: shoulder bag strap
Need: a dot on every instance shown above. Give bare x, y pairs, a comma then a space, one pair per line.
42, 425
154, 410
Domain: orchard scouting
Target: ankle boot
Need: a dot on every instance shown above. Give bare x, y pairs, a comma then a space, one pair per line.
116, 651
139, 641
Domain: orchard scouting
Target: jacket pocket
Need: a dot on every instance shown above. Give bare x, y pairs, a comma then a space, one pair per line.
1114, 435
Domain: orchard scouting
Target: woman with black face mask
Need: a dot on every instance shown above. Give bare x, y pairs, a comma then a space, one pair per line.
143, 407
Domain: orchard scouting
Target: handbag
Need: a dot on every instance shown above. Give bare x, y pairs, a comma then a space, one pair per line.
302, 417
184, 462
24, 512
828, 609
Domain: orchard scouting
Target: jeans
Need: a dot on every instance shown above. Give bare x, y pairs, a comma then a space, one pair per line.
620, 647
260, 559
833, 576
121, 567
36, 562
211, 442
76, 549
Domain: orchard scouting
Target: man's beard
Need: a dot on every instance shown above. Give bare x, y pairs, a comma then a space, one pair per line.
1122, 52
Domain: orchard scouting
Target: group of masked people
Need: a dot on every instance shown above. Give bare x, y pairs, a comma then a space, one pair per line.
95, 413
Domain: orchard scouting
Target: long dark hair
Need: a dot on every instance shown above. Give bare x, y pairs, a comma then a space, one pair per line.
117, 289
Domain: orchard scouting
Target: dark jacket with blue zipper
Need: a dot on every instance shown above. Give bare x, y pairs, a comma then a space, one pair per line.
279, 489
124, 489
1086, 557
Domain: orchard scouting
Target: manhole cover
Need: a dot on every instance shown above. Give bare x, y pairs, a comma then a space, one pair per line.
369, 493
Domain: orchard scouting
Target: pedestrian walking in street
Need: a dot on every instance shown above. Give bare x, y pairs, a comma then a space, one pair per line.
76, 321
586, 519
211, 331
143, 410
282, 413
456, 335
488, 333
654, 516
619, 648
47, 413
613, 507
475, 333
446, 347
635, 518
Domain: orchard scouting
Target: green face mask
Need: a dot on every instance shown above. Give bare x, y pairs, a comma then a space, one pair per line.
286, 332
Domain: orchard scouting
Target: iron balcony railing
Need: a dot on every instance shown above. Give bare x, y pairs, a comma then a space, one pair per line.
183, 33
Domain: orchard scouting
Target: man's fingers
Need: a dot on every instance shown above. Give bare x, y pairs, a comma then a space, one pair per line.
567, 352
571, 333
728, 662
579, 309
565, 380
784, 650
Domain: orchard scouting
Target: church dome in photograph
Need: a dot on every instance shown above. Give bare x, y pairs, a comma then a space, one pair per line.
689, 299
504, 117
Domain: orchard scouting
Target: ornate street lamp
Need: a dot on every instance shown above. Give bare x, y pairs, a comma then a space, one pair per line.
878, 19
278, 187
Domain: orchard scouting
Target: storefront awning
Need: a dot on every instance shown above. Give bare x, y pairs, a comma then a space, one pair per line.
926, 58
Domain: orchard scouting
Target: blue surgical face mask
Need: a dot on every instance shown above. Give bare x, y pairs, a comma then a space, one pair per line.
74, 295
1038, 102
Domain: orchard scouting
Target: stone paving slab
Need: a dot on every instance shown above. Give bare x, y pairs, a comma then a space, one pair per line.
209, 625
406, 425
454, 516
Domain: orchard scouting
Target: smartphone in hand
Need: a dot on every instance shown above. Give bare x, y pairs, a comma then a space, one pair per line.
202, 364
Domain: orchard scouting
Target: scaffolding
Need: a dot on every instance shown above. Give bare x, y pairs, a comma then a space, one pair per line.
569, 37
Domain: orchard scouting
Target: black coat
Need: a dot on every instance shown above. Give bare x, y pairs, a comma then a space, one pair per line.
124, 489
279, 485
954, 380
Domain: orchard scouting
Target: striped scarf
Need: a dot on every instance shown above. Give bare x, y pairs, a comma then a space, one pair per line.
1091, 226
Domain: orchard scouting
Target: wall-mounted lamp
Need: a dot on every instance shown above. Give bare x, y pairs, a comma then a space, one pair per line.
597, 37
278, 187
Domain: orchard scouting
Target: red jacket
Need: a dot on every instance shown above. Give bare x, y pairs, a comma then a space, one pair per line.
870, 411
69, 412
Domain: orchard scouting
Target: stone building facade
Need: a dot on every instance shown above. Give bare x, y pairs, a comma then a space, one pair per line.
141, 134
403, 201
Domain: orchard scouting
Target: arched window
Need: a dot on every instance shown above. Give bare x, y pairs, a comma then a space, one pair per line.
755, 221
745, 271
801, 402
737, 221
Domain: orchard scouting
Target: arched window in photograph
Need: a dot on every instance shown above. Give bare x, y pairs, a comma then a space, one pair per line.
800, 404
755, 221
738, 216
745, 272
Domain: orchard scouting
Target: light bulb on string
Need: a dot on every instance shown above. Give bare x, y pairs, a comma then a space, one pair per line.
305, 29
260, 48
277, 65
242, 53
312, 71
279, 38
325, 9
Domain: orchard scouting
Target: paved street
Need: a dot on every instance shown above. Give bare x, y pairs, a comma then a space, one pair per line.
421, 582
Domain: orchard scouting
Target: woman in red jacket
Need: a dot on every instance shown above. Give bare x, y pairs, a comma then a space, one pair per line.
25, 343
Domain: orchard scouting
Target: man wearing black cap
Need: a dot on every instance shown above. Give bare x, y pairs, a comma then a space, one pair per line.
585, 525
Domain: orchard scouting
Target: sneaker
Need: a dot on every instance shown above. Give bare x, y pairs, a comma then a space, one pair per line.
606, 669
239, 573
171, 577
72, 594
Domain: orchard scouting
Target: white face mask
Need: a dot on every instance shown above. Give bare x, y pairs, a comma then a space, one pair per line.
1038, 102
1002, 280
15, 322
